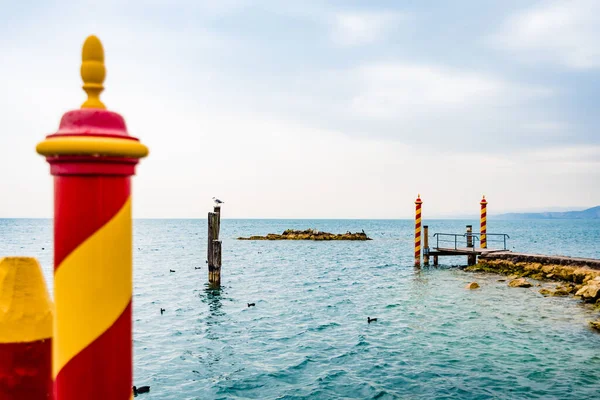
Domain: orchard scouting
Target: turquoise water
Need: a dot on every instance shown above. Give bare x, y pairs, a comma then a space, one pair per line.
308, 337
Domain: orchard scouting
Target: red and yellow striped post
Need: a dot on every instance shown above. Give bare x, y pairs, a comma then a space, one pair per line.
92, 159
25, 331
418, 203
483, 229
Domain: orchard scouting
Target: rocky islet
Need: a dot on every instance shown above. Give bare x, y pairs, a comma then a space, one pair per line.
310, 234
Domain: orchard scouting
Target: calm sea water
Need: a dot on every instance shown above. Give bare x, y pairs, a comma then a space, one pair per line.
308, 337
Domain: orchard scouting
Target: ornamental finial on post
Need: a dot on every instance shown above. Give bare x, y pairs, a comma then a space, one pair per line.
92, 130
93, 72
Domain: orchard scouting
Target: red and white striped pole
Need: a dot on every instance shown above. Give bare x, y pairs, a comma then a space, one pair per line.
418, 203
25, 331
483, 228
92, 159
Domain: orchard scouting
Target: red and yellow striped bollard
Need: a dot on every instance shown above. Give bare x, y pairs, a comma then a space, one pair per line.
418, 203
25, 331
92, 159
483, 228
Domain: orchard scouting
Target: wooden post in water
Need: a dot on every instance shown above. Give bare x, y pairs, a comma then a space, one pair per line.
469, 236
214, 270
435, 260
217, 210
212, 236
471, 258
425, 245
214, 247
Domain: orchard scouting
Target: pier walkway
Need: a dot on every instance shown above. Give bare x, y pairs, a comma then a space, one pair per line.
542, 259
464, 244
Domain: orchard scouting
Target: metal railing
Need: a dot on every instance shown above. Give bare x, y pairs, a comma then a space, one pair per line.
462, 240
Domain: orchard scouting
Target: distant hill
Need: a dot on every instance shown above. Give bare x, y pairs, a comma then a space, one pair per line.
590, 213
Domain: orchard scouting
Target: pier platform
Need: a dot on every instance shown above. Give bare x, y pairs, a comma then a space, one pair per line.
462, 251
452, 244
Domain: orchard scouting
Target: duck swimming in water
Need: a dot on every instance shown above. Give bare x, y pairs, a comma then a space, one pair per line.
369, 319
141, 389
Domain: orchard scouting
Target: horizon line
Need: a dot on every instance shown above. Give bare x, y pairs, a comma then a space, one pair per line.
460, 217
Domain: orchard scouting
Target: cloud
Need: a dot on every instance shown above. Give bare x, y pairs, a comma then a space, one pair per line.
362, 28
562, 32
320, 118
559, 157
387, 88
548, 128
447, 108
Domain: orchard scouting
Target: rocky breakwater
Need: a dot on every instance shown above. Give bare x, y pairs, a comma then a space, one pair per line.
310, 234
574, 276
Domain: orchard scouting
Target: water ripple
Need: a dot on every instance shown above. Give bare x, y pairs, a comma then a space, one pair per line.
308, 336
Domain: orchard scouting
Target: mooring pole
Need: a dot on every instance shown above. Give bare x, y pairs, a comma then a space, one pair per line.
425, 245
418, 203
217, 210
214, 270
92, 158
469, 236
214, 247
483, 229
25, 331
212, 236
471, 258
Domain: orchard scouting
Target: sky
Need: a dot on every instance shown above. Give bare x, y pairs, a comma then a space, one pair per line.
317, 109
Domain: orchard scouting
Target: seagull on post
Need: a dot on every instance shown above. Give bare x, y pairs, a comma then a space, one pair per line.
218, 202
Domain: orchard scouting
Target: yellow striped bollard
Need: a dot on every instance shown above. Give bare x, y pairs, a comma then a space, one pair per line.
92, 159
418, 203
25, 331
483, 229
